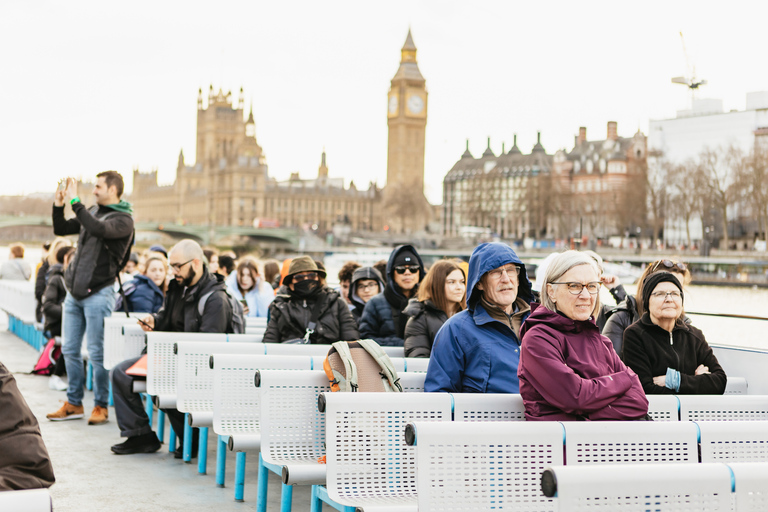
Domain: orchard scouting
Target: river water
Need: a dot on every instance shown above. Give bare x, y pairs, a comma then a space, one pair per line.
706, 299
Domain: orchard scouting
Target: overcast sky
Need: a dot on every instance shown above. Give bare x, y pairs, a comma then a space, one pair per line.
88, 86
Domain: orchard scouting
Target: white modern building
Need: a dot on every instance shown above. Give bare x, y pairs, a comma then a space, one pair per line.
705, 125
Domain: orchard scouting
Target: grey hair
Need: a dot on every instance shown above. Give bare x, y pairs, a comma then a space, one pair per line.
559, 266
189, 250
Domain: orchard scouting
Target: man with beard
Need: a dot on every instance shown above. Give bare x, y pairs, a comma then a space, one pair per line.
309, 312
478, 349
191, 281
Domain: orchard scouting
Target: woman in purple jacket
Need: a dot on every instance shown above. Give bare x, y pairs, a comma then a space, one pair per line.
568, 370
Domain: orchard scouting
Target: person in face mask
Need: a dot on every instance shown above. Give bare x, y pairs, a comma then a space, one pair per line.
308, 302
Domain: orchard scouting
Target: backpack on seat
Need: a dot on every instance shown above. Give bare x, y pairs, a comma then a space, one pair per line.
360, 366
238, 318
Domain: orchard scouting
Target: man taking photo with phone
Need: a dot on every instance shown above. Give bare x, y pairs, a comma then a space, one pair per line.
105, 233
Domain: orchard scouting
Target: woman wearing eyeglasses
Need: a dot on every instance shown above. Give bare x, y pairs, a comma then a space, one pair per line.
632, 308
568, 370
440, 296
668, 355
366, 283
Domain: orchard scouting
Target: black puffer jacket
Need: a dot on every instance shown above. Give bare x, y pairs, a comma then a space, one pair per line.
422, 326
53, 298
619, 318
24, 461
649, 350
105, 236
217, 313
289, 317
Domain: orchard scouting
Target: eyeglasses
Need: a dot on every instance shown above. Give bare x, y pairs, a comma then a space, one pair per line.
361, 287
413, 269
177, 266
312, 276
663, 295
575, 288
669, 264
511, 272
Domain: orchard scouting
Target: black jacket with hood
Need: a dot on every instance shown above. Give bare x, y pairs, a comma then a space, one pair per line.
217, 314
105, 236
53, 298
422, 326
361, 274
289, 316
383, 320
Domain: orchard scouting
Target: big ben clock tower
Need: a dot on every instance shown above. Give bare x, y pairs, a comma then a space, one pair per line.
407, 121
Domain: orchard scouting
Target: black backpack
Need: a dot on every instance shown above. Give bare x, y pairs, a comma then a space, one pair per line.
238, 317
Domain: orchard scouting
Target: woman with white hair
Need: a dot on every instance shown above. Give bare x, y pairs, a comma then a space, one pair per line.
568, 370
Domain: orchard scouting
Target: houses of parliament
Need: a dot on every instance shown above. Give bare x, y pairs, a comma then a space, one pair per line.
229, 183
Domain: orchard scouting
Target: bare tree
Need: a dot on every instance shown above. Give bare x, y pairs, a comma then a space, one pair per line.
685, 185
656, 190
719, 170
752, 180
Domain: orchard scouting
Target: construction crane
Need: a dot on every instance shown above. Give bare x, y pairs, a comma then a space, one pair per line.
690, 79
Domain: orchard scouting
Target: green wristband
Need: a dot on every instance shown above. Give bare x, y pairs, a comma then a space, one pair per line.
74, 200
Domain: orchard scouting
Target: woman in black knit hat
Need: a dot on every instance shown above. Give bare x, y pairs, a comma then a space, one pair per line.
668, 355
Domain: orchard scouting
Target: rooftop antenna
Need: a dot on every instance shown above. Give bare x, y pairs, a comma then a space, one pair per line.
690, 79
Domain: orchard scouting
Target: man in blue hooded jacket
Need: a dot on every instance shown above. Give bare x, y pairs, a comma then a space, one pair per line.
478, 349
383, 319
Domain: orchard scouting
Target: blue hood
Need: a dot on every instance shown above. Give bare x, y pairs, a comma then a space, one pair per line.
391, 267
487, 257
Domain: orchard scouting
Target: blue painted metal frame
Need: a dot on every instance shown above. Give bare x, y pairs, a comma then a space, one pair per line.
239, 476
320, 496
221, 460
202, 451
286, 493
187, 440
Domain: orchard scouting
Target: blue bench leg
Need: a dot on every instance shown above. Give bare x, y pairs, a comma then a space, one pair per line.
150, 409
240, 476
171, 439
187, 448
160, 425
221, 461
286, 498
315, 504
89, 377
112, 400
202, 451
261, 488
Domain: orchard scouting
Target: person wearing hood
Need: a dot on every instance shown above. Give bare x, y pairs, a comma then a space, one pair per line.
192, 281
568, 370
383, 320
105, 235
669, 356
146, 291
478, 349
309, 312
441, 295
246, 284
366, 283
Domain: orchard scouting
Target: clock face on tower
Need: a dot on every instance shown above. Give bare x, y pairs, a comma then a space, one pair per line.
393, 105
415, 104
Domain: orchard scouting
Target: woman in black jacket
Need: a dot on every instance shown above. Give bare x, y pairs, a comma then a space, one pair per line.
441, 295
53, 301
668, 355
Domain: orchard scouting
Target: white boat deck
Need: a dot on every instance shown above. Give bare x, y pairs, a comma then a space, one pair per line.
89, 477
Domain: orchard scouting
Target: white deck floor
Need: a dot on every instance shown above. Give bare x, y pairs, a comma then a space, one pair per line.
89, 477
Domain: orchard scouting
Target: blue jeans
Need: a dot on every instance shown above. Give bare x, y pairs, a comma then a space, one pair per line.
86, 317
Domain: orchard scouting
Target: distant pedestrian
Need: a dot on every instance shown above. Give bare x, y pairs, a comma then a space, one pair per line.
16, 269
345, 278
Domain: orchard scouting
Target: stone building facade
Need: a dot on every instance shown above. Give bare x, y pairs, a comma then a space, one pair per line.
229, 183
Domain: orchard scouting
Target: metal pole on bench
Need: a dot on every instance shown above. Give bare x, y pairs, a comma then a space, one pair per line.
160, 425
89, 376
221, 461
202, 451
171, 439
240, 475
261, 487
187, 440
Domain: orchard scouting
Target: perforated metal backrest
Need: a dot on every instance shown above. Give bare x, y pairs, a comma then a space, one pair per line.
256, 321
663, 407
736, 386
736, 441
236, 401
644, 487
412, 382
290, 349
367, 457
485, 465
115, 350
723, 407
488, 407
416, 364
161, 361
751, 482
628, 442
292, 428
194, 385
